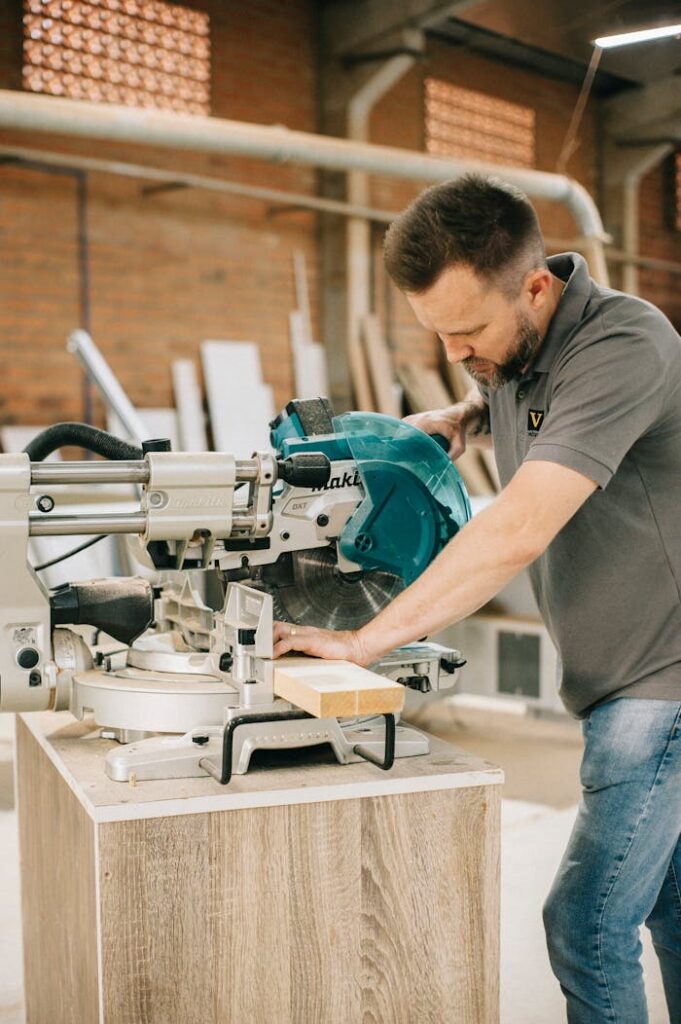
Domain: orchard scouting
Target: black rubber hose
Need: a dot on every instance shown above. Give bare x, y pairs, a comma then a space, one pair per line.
80, 435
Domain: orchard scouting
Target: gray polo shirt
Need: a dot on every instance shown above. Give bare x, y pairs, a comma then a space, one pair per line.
604, 397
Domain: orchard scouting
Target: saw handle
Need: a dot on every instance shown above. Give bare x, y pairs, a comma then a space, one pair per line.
305, 469
441, 440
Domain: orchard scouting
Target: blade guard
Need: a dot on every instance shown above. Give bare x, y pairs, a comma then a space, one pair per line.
415, 500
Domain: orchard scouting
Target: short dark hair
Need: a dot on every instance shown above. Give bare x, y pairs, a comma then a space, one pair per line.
482, 223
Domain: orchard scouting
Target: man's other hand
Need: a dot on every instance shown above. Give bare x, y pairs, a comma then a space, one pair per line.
451, 423
334, 645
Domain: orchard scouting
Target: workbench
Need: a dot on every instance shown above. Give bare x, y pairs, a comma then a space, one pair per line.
305, 892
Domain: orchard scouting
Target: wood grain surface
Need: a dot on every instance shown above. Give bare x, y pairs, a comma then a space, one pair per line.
369, 910
376, 911
335, 689
58, 895
300, 777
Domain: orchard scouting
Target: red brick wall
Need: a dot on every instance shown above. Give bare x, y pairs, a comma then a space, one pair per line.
659, 239
167, 270
172, 269
398, 121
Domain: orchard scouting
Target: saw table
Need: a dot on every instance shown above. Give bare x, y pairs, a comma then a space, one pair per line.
302, 893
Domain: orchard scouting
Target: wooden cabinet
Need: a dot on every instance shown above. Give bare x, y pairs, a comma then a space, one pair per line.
299, 894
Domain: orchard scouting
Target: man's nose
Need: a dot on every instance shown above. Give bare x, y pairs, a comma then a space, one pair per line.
456, 353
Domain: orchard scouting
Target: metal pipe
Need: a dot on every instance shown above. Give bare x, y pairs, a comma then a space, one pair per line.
33, 112
119, 472
123, 472
126, 170
83, 347
630, 213
358, 231
75, 525
650, 262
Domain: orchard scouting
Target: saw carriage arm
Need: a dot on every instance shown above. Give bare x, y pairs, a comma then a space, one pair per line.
187, 504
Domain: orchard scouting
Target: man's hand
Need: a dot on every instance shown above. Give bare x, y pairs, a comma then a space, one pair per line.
341, 645
454, 423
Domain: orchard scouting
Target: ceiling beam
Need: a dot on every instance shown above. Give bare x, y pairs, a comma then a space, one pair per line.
352, 26
651, 112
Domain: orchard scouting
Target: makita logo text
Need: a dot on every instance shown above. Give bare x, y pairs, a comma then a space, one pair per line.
347, 479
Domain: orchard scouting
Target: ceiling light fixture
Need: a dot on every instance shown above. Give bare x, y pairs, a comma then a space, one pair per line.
642, 36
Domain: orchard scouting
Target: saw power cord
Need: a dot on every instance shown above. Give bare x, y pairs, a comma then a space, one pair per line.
69, 554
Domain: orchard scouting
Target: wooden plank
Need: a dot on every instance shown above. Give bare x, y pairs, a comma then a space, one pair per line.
380, 366
303, 295
309, 360
241, 406
490, 463
335, 689
190, 414
59, 906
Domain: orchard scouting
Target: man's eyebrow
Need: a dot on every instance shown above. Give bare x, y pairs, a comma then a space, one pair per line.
467, 330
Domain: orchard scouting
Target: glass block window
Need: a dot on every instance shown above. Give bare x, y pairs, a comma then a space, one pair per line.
137, 52
471, 125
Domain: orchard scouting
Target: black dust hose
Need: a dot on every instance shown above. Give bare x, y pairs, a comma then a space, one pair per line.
80, 435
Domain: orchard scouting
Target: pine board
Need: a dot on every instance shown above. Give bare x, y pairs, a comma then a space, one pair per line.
335, 689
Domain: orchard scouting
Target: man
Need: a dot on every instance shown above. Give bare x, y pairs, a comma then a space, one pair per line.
580, 387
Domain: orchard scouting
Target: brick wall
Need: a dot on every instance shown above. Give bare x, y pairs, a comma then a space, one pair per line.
398, 121
167, 270
659, 239
170, 269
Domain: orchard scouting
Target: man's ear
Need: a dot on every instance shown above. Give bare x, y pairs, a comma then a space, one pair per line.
537, 287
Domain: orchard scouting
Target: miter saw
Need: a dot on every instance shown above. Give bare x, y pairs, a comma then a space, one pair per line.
349, 511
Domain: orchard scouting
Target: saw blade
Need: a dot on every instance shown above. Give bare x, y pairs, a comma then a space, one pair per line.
323, 596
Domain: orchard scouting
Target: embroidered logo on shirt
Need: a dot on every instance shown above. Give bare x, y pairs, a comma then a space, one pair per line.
535, 418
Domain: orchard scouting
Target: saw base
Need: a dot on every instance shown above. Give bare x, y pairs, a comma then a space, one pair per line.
180, 757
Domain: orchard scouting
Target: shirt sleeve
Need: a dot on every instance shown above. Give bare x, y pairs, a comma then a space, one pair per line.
604, 397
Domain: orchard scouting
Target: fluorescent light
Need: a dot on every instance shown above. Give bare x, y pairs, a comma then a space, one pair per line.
642, 36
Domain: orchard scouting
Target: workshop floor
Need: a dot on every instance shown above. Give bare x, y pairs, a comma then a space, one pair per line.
540, 759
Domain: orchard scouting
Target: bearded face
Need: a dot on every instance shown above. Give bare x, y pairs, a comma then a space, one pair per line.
520, 354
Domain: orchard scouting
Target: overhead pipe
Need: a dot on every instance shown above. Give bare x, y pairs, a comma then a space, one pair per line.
164, 180
36, 113
358, 229
630, 213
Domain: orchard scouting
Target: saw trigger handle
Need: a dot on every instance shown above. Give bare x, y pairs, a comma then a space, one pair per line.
305, 469
442, 441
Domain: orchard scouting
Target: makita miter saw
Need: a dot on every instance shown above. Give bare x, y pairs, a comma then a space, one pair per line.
349, 511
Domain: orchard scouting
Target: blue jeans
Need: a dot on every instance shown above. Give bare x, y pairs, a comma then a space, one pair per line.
622, 866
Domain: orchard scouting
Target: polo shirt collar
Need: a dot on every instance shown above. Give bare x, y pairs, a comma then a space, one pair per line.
571, 268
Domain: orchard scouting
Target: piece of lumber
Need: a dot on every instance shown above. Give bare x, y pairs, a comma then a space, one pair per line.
335, 689
490, 463
309, 360
460, 383
302, 295
190, 415
241, 406
380, 367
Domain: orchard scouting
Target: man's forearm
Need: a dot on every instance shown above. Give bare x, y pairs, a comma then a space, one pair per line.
470, 570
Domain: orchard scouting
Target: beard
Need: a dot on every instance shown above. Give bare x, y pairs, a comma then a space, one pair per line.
520, 354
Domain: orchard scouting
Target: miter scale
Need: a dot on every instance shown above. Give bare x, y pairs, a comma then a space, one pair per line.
350, 511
